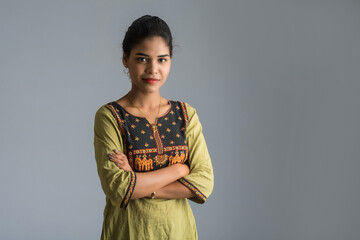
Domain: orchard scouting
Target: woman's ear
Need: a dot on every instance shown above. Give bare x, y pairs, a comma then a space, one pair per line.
125, 60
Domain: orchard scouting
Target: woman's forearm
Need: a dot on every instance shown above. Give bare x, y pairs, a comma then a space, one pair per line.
148, 182
174, 190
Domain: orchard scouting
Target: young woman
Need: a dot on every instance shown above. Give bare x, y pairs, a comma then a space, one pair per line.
151, 154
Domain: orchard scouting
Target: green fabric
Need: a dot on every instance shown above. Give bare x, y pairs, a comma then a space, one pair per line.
149, 218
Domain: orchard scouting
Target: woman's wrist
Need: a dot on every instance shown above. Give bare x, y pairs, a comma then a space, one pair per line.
174, 190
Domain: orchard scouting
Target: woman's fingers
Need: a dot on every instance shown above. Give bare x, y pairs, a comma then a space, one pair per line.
117, 155
118, 152
120, 160
113, 157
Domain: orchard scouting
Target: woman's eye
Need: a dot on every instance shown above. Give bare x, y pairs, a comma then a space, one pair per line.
140, 59
162, 60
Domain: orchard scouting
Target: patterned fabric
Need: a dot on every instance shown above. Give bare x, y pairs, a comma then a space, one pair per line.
184, 112
129, 191
194, 189
151, 147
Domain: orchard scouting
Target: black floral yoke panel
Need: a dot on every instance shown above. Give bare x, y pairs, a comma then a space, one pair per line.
153, 146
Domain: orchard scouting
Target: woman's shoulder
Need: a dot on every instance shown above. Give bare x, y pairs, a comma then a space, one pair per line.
104, 110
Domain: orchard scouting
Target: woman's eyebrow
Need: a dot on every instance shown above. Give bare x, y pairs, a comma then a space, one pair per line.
142, 54
145, 55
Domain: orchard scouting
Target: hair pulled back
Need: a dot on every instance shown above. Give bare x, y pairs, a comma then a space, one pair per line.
145, 27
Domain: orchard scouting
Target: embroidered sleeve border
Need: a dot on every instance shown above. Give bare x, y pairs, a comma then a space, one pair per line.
118, 119
185, 114
129, 191
194, 189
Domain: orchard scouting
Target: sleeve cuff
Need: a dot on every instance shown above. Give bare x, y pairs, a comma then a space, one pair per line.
129, 191
200, 197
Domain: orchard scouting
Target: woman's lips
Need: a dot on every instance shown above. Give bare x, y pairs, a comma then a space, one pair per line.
151, 80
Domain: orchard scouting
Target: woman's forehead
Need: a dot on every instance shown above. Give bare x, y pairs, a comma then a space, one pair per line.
152, 46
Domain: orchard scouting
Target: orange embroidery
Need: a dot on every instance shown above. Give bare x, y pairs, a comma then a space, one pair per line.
172, 148
120, 122
177, 158
194, 189
160, 158
185, 114
141, 157
143, 164
129, 191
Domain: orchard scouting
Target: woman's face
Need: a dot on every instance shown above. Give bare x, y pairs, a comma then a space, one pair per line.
149, 64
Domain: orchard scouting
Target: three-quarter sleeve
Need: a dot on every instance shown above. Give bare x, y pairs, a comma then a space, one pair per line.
201, 178
117, 184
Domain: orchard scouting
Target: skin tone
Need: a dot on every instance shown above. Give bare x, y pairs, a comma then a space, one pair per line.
149, 64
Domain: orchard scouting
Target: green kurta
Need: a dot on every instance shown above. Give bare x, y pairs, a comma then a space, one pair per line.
148, 218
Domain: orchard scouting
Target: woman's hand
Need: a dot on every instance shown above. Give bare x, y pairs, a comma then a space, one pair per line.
120, 160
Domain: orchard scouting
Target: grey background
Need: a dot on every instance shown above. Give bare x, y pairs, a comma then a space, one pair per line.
276, 85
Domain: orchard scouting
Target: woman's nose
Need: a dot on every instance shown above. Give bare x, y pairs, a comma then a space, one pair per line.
152, 68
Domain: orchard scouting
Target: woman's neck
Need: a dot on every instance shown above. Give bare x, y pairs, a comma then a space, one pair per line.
145, 100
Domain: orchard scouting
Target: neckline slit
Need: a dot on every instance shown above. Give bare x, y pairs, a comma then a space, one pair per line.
167, 112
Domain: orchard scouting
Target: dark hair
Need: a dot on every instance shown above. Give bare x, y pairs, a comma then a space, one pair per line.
144, 27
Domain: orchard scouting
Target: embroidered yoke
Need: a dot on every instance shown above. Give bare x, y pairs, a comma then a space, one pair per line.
150, 147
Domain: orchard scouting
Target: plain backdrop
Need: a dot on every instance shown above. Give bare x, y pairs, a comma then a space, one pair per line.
275, 83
